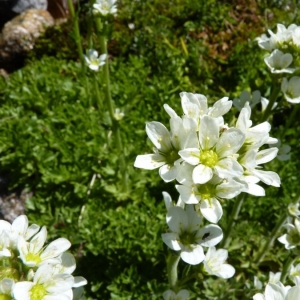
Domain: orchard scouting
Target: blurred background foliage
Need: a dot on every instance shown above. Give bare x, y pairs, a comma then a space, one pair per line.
54, 138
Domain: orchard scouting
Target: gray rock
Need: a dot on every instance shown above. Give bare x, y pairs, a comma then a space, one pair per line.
19, 34
22, 5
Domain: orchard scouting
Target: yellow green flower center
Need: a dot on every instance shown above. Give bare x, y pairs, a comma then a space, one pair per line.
33, 257
206, 191
209, 158
38, 292
187, 238
5, 297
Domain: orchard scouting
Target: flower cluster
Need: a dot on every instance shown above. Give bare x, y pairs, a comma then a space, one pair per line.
105, 7
32, 271
277, 291
210, 160
284, 47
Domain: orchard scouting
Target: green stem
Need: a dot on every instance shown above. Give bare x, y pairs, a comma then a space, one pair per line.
274, 233
96, 89
289, 120
233, 217
109, 102
172, 264
271, 240
289, 261
77, 34
276, 88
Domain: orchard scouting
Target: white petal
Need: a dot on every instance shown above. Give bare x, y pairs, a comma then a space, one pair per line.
55, 248
208, 133
293, 293
266, 155
168, 200
159, 136
187, 195
149, 161
211, 210
209, 235
22, 289
190, 155
177, 219
228, 168
168, 173
268, 177
79, 281
193, 254
202, 174
230, 142
171, 240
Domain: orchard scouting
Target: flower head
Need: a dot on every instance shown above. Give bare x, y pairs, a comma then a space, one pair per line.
291, 239
291, 89
105, 7
214, 263
93, 61
186, 235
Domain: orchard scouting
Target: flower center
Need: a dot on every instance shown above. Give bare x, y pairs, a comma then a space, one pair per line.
209, 158
38, 292
171, 157
206, 191
187, 238
5, 297
33, 257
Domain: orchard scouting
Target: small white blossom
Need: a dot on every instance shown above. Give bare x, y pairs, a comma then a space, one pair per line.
278, 62
291, 239
278, 292
291, 89
6, 288
186, 235
216, 154
105, 7
274, 277
214, 263
245, 96
295, 274
119, 115
45, 286
93, 61
33, 253
293, 209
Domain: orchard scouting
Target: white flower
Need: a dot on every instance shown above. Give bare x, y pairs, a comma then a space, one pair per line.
45, 286
278, 62
257, 283
278, 292
295, 274
291, 89
216, 154
292, 238
167, 144
214, 263
181, 295
245, 96
251, 158
264, 42
169, 203
6, 288
274, 277
19, 227
93, 61
206, 195
105, 7
195, 107
34, 254
293, 209
283, 151
187, 236
119, 115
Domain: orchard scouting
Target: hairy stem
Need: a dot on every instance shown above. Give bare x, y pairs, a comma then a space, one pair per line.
233, 217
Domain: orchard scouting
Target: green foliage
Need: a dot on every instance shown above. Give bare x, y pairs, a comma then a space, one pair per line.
55, 138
